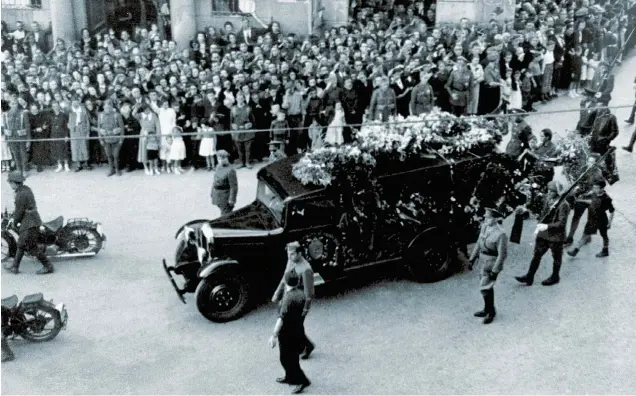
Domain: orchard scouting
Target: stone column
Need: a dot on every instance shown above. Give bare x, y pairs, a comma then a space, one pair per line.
183, 21
63, 21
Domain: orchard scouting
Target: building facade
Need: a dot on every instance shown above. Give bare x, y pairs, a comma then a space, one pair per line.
66, 18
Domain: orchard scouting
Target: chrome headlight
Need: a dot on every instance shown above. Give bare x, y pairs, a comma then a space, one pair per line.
208, 234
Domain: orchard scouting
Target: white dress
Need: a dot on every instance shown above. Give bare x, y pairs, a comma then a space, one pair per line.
207, 147
177, 149
515, 99
5, 155
167, 121
334, 130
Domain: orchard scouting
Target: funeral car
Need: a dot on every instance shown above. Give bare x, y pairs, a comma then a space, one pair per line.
231, 262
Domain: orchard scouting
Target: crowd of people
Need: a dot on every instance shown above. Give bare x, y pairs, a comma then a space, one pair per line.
235, 82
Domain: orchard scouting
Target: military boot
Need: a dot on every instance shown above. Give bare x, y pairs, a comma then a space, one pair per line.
603, 253
483, 312
490, 307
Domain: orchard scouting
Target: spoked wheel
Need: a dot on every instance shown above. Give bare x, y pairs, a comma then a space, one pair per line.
223, 296
9, 246
42, 324
83, 240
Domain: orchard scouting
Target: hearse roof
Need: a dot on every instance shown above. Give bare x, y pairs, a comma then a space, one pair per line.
279, 174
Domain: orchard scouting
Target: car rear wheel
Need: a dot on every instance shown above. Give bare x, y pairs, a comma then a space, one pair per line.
431, 259
223, 296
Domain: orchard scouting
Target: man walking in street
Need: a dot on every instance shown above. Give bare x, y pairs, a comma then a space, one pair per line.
111, 132
27, 217
630, 121
289, 332
297, 263
550, 235
225, 186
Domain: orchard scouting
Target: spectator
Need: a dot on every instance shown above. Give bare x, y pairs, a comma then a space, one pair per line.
59, 130
111, 131
79, 130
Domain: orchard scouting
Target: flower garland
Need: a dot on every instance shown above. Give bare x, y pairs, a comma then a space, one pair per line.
574, 150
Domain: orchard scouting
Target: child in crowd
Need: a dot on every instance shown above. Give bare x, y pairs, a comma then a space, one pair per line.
207, 148
584, 65
575, 70
516, 101
315, 135
177, 151
6, 155
592, 65
597, 220
276, 151
334, 135
527, 85
279, 129
152, 152
506, 91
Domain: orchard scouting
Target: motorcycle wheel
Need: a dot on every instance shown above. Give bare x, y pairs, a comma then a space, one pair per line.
9, 246
81, 239
37, 319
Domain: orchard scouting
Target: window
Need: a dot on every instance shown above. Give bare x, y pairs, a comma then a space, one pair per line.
233, 6
21, 3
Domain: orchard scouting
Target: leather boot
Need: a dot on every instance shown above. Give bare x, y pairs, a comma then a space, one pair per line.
15, 267
47, 267
554, 278
573, 252
484, 312
632, 141
490, 306
603, 253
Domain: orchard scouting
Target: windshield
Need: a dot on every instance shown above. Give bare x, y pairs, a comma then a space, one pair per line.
268, 196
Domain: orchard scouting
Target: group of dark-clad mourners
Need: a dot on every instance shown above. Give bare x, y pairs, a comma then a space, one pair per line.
134, 100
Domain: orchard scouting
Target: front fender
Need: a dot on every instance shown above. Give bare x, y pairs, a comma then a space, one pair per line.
191, 224
423, 234
215, 265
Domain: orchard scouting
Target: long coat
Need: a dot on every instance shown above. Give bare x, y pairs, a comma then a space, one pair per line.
40, 150
26, 211
79, 127
59, 129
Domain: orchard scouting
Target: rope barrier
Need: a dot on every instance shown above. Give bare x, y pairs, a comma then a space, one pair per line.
368, 123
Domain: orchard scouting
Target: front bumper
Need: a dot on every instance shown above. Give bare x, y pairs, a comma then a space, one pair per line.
169, 271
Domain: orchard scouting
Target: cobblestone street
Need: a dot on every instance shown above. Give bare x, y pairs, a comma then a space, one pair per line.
128, 333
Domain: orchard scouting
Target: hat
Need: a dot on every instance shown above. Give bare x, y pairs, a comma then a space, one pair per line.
291, 279
494, 212
222, 154
16, 177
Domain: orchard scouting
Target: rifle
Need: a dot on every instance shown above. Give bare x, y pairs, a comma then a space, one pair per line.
517, 227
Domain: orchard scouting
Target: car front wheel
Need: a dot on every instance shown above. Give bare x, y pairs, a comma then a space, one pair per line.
223, 296
431, 259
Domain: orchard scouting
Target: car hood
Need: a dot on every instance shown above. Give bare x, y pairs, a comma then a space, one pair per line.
252, 219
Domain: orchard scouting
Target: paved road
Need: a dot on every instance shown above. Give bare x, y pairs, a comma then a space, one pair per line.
129, 334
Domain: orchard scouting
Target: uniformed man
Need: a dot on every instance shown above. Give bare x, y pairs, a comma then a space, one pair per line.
383, 102
550, 235
422, 97
289, 332
491, 249
458, 86
27, 217
225, 185
296, 263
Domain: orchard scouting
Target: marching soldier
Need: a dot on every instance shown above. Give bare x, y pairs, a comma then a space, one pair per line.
225, 185
458, 86
550, 235
27, 216
491, 250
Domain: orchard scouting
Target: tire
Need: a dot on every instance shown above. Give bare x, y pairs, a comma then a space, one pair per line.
48, 309
81, 239
9, 246
431, 259
223, 287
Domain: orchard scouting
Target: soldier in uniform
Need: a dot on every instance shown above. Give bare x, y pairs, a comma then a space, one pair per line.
383, 102
225, 185
458, 86
491, 249
550, 235
27, 216
422, 97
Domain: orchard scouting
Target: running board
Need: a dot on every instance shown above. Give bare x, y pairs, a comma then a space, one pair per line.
73, 255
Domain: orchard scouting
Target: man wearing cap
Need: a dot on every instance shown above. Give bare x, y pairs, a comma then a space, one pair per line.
491, 250
26, 216
296, 263
458, 86
383, 102
110, 127
550, 235
289, 332
225, 186
422, 97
